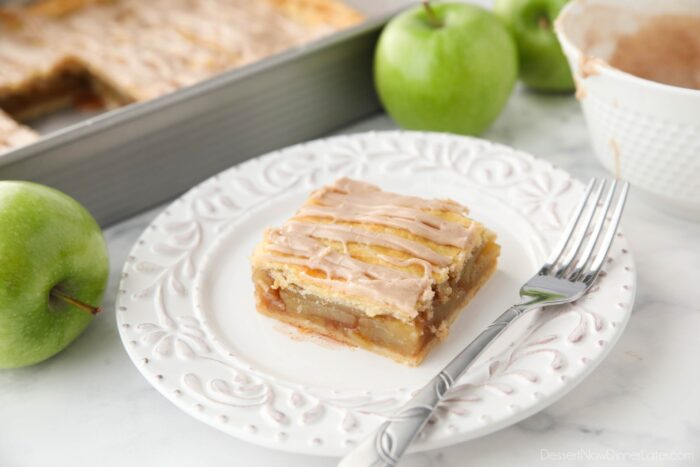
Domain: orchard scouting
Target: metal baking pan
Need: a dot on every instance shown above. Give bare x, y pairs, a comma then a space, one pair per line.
136, 157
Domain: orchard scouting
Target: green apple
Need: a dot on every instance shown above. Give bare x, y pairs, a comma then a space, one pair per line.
542, 63
448, 67
53, 272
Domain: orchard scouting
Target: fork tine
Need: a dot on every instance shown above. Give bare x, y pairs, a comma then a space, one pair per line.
595, 235
609, 236
581, 235
564, 239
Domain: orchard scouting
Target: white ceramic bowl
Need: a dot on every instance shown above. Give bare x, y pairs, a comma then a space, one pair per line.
643, 131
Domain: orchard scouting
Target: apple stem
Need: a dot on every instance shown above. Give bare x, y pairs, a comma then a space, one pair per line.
75, 302
543, 22
432, 17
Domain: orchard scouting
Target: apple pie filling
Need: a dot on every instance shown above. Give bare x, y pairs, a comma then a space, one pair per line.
376, 270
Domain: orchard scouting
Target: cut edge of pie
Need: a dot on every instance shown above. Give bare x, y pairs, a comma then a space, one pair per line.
348, 266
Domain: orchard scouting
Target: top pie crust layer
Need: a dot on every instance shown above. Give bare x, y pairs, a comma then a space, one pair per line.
380, 252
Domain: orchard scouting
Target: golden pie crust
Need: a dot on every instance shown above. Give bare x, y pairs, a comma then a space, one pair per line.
12, 134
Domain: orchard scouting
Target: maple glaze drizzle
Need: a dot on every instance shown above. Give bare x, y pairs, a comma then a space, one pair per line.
300, 242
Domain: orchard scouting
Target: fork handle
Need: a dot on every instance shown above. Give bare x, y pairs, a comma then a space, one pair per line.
385, 447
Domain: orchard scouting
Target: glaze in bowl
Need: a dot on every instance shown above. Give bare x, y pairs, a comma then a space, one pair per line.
643, 131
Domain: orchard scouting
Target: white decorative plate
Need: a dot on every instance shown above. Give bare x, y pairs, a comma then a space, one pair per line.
187, 317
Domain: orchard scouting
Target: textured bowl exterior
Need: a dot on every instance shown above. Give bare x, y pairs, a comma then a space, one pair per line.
645, 132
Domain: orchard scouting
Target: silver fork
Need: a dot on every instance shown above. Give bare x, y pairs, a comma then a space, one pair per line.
566, 276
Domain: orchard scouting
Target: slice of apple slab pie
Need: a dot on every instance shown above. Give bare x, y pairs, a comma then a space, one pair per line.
381, 271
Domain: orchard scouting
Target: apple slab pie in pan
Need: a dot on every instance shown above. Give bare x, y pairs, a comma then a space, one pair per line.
56, 53
381, 271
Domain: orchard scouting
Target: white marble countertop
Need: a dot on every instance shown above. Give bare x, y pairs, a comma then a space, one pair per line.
90, 406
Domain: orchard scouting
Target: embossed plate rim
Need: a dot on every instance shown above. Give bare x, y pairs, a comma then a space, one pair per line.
172, 349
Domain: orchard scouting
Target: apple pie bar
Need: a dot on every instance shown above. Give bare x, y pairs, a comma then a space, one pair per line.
381, 271
12, 134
